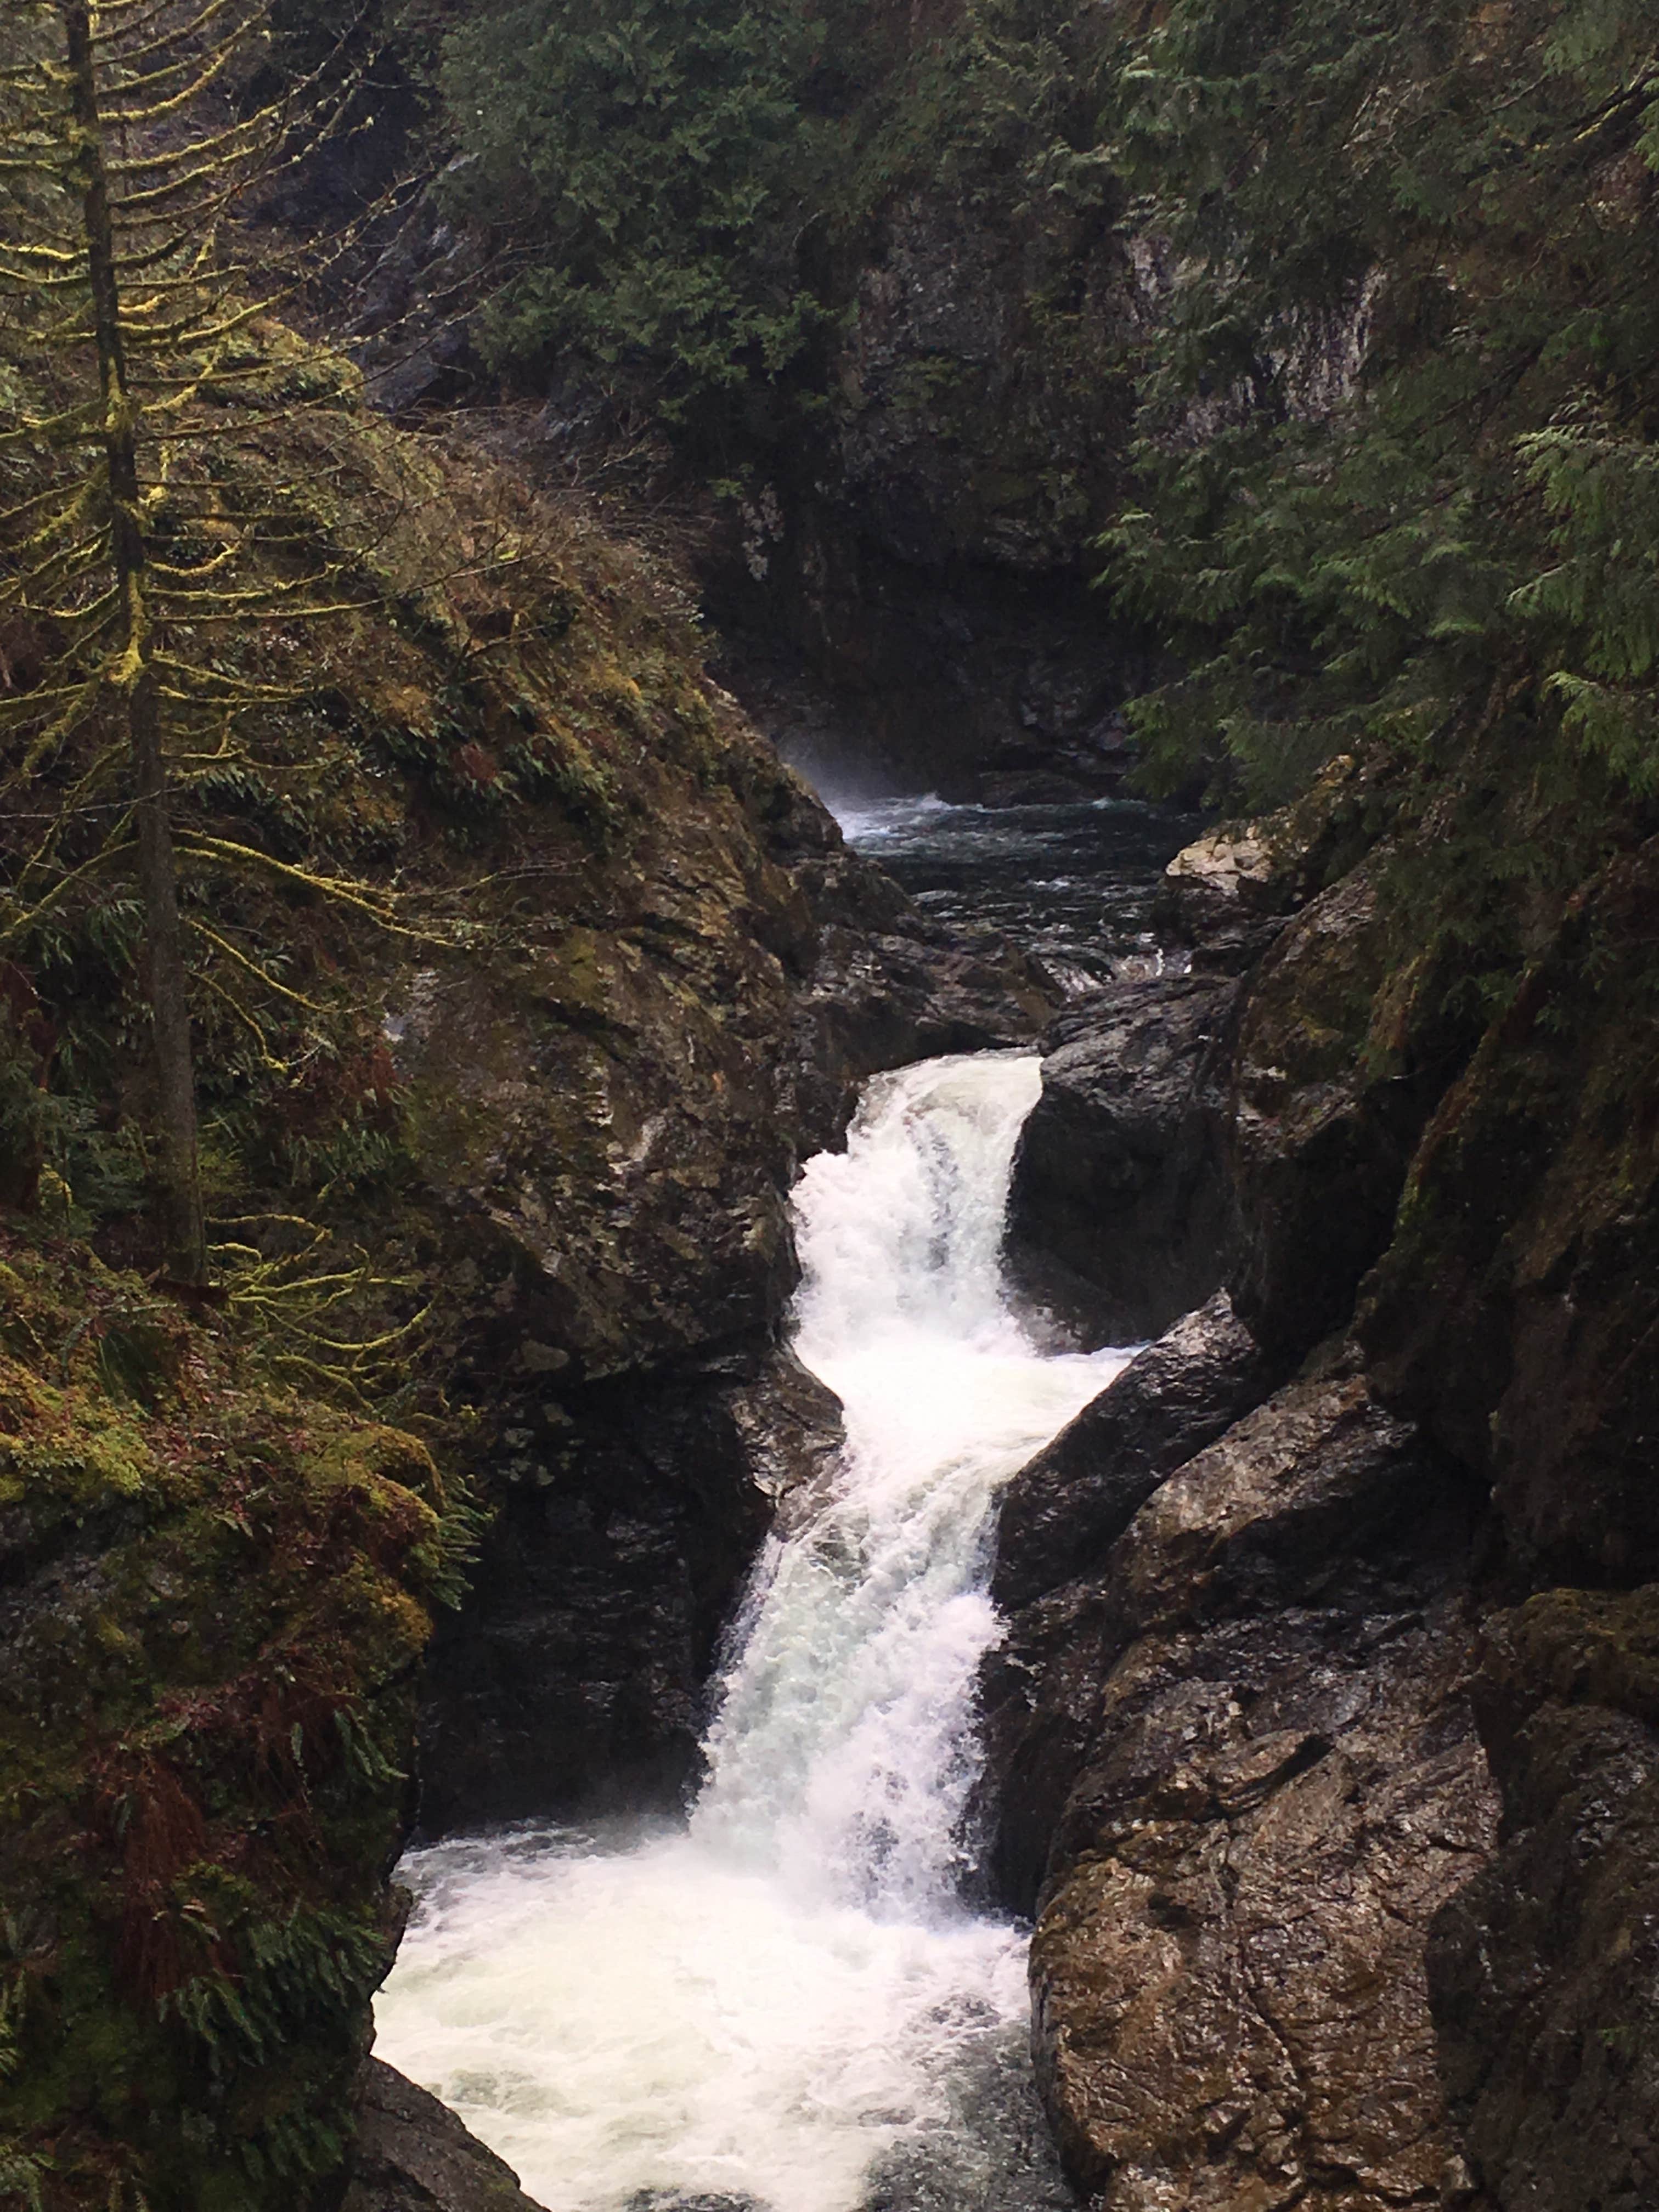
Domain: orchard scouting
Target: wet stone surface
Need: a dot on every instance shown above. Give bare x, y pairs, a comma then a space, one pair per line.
676, 2200
996, 2154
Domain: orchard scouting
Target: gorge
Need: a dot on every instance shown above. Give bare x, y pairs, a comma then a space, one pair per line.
609, 1557
764, 2009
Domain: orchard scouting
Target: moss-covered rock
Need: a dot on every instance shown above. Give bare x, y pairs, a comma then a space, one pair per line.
524, 976
1516, 1305
215, 1599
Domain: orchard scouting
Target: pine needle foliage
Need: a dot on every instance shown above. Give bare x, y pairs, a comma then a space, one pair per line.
126, 277
650, 164
1395, 440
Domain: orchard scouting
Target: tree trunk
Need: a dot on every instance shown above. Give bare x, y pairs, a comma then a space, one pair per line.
183, 1226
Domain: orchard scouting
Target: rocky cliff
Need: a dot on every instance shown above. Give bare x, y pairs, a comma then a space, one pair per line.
927, 552
524, 975
1322, 1738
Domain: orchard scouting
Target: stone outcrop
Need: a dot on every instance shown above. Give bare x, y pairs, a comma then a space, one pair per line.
573, 1678
928, 551
1345, 1848
1061, 1517
1321, 1120
1545, 1969
1249, 1122
1515, 1313
1119, 1211
215, 1596
413, 2154
1225, 897
613, 1130
1065, 1510
1257, 1711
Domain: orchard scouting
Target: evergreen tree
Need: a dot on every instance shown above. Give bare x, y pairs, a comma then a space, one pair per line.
138, 303
1397, 418
649, 165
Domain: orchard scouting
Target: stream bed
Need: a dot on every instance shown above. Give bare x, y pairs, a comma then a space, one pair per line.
785, 2003
1072, 883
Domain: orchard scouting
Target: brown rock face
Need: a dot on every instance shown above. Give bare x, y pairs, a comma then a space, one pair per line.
1275, 1784
1062, 1513
1516, 1314
1060, 1517
1545, 1969
1282, 1957
1232, 2010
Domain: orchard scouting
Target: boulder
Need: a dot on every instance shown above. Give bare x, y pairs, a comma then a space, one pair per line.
1119, 1214
1062, 1512
413, 2154
1275, 1784
1226, 894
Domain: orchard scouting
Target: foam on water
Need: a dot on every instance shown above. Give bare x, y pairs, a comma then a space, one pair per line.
762, 2005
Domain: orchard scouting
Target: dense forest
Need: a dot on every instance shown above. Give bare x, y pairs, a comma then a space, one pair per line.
420, 982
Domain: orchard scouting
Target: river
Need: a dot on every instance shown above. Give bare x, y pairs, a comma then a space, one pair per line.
1072, 883
784, 2003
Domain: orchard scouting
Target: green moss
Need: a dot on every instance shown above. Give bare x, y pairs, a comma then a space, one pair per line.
205, 1726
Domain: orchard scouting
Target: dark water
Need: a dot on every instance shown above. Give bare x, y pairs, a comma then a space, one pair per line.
1072, 884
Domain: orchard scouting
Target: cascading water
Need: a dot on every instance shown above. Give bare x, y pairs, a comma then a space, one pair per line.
768, 2004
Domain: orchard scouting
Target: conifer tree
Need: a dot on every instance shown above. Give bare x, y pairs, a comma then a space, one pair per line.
137, 291
650, 167
1396, 443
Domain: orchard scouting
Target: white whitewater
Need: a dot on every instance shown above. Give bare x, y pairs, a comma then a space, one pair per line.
761, 2005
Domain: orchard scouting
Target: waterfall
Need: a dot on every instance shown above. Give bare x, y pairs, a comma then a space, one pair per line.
759, 2006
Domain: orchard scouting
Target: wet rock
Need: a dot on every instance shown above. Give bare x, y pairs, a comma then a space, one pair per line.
1119, 1215
1039, 1687
676, 2200
888, 987
1513, 1314
993, 2154
1274, 1782
1227, 894
1326, 1106
572, 1680
1302, 1479
413, 2154
1060, 1517
1544, 1969
1062, 1513
610, 1124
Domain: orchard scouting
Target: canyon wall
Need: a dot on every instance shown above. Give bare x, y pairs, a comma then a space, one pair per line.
1321, 1740
552, 975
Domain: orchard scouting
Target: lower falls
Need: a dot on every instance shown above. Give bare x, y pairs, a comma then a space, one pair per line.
787, 2004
